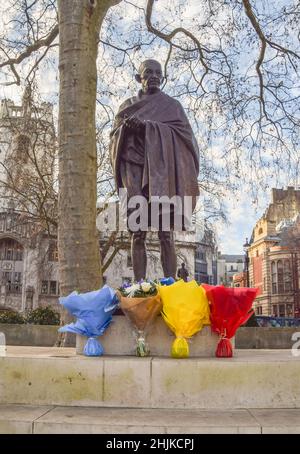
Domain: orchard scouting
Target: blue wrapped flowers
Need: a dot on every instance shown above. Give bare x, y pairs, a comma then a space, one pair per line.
93, 311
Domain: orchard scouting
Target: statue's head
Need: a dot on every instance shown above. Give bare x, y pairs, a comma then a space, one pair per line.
150, 76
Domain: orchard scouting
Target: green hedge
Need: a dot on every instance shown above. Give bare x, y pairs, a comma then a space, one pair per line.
11, 317
39, 316
43, 316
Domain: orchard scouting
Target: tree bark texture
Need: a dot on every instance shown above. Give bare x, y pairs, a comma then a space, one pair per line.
79, 257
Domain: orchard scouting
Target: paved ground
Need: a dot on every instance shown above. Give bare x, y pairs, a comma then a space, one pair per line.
54, 420
242, 355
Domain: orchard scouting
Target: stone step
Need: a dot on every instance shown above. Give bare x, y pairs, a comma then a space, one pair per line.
16, 419
51, 376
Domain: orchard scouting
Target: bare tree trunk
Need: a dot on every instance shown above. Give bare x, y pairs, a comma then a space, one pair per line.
78, 246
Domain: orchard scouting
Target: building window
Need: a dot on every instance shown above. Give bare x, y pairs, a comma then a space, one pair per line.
23, 144
281, 310
50, 288
260, 231
17, 282
17, 277
289, 310
8, 224
18, 254
265, 284
6, 278
200, 255
53, 252
9, 254
44, 288
274, 310
287, 276
197, 277
259, 310
280, 276
53, 288
129, 260
11, 250
274, 277
12, 281
201, 268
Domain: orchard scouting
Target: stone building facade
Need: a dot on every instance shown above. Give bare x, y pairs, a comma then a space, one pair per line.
206, 257
274, 260
28, 256
228, 266
239, 279
28, 266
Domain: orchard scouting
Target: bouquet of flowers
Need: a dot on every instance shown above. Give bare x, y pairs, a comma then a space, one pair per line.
141, 304
230, 308
94, 314
185, 311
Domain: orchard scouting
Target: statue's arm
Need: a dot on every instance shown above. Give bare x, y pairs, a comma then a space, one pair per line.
135, 125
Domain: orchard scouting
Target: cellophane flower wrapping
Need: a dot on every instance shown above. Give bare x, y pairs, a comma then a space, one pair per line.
185, 311
141, 307
93, 311
167, 281
230, 308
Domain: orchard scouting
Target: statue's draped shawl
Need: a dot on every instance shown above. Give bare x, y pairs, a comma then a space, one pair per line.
171, 156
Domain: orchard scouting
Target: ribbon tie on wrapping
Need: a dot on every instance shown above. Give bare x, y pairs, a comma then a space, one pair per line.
180, 348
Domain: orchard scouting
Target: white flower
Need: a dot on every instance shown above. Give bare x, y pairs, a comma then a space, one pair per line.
146, 286
128, 289
131, 290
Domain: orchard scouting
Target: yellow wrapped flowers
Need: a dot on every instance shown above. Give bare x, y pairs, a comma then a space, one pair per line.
185, 311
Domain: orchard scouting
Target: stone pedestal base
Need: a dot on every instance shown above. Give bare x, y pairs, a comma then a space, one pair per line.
119, 340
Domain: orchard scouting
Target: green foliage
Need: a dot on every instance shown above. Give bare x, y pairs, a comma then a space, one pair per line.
252, 321
43, 316
11, 317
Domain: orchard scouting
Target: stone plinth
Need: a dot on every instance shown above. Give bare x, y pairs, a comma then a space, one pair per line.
119, 340
51, 376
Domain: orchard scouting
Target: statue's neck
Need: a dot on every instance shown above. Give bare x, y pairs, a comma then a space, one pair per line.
145, 94
150, 92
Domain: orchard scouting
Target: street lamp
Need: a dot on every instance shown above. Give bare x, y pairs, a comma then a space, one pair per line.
252, 320
246, 267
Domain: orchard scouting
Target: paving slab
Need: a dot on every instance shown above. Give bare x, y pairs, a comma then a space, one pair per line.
19, 419
156, 421
29, 419
278, 421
